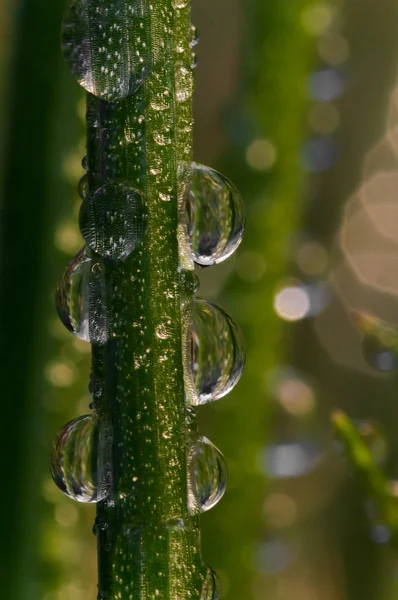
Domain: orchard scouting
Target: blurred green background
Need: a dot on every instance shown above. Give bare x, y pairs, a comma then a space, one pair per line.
297, 102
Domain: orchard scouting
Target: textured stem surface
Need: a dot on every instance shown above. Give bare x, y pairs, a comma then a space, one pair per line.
148, 542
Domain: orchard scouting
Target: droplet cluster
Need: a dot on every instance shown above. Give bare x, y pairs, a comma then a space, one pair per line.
111, 63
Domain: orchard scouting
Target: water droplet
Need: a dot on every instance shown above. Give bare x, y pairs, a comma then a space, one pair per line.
163, 329
215, 216
82, 188
161, 100
207, 475
194, 36
79, 457
79, 292
180, 3
184, 82
85, 163
71, 298
91, 36
211, 589
217, 352
113, 219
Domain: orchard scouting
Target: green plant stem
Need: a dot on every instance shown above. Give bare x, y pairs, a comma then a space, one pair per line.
148, 542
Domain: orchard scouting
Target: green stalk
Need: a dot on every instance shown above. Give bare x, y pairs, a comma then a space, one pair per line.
148, 540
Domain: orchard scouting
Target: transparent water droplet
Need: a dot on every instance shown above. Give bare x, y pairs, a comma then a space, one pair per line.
211, 589
163, 328
71, 298
82, 188
79, 292
79, 459
113, 220
91, 44
207, 475
214, 216
184, 81
180, 3
161, 139
217, 352
194, 36
161, 100
85, 163
194, 60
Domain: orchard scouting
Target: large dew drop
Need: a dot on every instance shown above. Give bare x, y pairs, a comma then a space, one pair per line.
211, 589
102, 53
79, 459
214, 214
207, 475
113, 220
80, 291
217, 353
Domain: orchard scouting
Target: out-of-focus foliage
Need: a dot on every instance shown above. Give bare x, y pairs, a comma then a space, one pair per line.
296, 102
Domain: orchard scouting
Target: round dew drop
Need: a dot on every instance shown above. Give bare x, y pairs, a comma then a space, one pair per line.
211, 589
207, 475
217, 352
214, 215
97, 46
113, 219
80, 291
79, 459
184, 81
71, 298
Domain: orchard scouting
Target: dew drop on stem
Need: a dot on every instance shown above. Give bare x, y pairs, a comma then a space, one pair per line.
100, 51
214, 216
217, 352
79, 299
211, 589
79, 459
207, 475
113, 220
